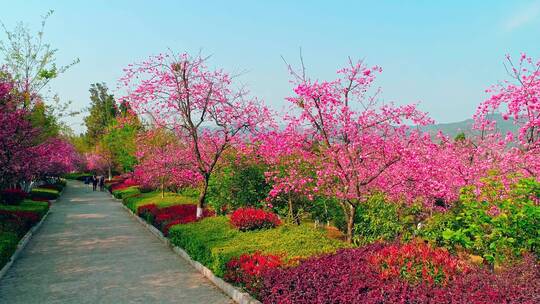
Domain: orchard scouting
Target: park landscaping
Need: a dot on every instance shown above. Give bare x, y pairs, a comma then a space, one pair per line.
341, 198
20, 211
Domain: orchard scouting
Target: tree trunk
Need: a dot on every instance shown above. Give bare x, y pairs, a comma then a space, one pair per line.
162, 188
202, 198
110, 173
350, 222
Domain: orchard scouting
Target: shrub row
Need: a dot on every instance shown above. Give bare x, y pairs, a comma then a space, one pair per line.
349, 276
164, 218
214, 242
249, 218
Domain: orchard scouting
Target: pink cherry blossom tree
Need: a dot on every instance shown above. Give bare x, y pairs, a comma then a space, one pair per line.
355, 139
164, 162
518, 100
200, 105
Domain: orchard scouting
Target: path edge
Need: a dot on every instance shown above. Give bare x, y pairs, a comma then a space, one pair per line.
237, 295
22, 244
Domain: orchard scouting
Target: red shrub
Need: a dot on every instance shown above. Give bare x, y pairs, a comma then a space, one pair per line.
13, 196
416, 263
252, 219
164, 218
248, 270
150, 208
350, 277
23, 220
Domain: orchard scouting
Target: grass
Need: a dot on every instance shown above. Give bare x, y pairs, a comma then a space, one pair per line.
213, 242
133, 202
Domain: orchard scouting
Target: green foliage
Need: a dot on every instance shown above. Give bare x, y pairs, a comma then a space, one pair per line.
77, 176
494, 228
42, 117
30, 59
213, 242
379, 220
133, 202
102, 110
120, 141
43, 193
127, 192
28, 205
8, 244
239, 184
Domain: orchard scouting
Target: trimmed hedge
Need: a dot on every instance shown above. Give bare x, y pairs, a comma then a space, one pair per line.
213, 242
44, 193
77, 176
126, 192
170, 199
29, 205
12, 229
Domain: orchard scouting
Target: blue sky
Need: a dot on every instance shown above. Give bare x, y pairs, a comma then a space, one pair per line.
441, 55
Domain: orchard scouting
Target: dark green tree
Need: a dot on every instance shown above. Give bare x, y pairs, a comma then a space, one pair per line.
102, 113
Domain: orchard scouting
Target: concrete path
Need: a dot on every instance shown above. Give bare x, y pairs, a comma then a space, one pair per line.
89, 250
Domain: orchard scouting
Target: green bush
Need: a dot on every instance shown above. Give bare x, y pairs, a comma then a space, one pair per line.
133, 202
8, 245
240, 184
379, 220
213, 242
127, 192
77, 176
28, 205
497, 229
44, 193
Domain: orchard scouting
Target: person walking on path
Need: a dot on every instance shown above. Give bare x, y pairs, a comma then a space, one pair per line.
94, 182
101, 183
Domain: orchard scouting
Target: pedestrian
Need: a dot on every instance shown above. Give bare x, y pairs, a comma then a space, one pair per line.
101, 183
94, 182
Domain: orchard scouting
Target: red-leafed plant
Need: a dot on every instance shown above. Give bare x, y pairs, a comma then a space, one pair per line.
417, 263
13, 196
252, 219
148, 212
247, 270
20, 220
165, 218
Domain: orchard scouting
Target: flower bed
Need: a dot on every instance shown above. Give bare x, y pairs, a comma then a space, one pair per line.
44, 193
248, 270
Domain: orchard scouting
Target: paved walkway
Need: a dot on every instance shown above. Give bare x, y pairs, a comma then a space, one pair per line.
89, 250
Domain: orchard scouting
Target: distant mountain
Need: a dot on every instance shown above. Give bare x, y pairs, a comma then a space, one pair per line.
454, 128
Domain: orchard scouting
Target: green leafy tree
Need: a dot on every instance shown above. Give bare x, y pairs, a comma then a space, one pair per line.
30, 60
102, 113
120, 141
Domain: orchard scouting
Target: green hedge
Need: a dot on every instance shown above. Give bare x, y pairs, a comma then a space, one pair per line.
133, 202
127, 192
77, 176
213, 242
8, 244
43, 193
28, 205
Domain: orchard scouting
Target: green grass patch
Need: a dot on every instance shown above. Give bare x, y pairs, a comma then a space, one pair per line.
213, 242
28, 205
133, 202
